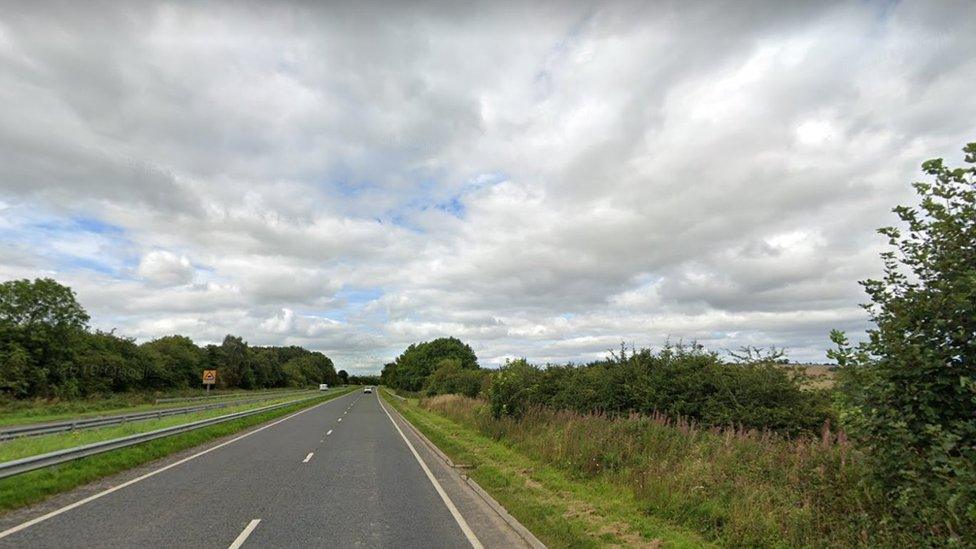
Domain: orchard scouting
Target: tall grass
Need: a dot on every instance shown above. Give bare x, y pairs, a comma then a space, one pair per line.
738, 487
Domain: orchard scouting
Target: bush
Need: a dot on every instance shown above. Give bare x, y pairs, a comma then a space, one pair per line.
738, 488
909, 391
450, 378
680, 380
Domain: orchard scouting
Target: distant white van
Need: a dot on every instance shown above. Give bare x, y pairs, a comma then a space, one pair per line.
323, 386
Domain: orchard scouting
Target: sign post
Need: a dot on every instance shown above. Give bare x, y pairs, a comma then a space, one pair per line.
209, 378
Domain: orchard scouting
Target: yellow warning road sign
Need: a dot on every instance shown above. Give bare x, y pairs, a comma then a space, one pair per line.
209, 377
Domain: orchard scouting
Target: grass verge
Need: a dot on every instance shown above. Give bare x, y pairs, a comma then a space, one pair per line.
731, 487
37, 485
18, 412
30, 446
560, 510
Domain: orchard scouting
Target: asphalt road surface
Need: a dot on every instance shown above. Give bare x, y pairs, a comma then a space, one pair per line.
340, 474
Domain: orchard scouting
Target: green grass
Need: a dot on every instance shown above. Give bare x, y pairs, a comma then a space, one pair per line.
561, 510
660, 478
17, 412
28, 446
35, 486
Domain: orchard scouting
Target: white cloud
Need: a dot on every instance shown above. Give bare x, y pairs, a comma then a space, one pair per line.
166, 268
543, 179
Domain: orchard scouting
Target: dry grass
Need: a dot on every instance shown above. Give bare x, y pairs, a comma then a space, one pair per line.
823, 375
737, 487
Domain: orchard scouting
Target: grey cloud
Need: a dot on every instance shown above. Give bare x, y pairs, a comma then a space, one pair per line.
653, 160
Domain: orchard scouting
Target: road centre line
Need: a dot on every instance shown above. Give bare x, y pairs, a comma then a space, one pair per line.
329, 433
308, 458
244, 534
468, 533
93, 497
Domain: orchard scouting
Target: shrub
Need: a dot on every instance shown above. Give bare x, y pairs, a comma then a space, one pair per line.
450, 378
739, 488
909, 391
680, 380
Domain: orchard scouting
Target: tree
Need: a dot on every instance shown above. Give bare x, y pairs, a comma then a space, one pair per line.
109, 363
388, 375
235, 365
419, 360
176, 360
343, 376
909, 391
41, 304
42, 319
15, 371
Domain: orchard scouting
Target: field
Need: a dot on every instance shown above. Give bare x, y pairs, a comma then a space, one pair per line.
823, 375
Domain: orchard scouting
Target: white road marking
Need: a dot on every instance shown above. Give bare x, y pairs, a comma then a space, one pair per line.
468, 533
243, 535
308, 458
340, 419
329, 433
93, 497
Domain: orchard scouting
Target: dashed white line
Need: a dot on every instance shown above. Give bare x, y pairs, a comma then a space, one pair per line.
103, 493
308, 458
244, 534
329, 433
340, 419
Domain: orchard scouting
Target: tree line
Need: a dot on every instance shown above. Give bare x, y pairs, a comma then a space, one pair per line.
757, 390
48, 350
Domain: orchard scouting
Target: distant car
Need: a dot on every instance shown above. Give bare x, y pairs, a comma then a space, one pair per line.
323, 386
367, 390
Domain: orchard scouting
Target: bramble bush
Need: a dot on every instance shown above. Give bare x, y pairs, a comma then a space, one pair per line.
679, 381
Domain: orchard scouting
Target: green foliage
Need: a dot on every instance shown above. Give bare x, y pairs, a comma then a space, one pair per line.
411, 369
680, 381
40, 322
451, 378
909, 391
46, 350
364, 380
388, 376
732, 487
513, 387
177, 361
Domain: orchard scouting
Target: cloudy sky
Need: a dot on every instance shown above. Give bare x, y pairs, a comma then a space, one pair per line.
540, 181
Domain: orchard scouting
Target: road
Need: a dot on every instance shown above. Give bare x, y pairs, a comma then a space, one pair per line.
340, 474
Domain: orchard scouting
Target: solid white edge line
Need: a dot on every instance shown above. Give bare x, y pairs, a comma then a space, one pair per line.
244, 534
93, 497
308, 458
468, 533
